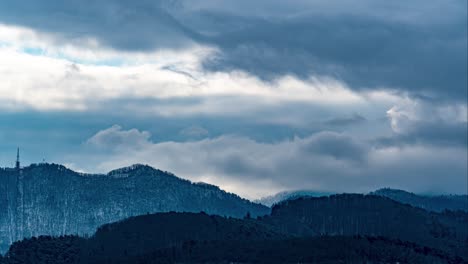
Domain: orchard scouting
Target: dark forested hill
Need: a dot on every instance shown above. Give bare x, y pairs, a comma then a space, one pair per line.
144, 233
50, 199
335, 229
323, 249
356, 214
436, 203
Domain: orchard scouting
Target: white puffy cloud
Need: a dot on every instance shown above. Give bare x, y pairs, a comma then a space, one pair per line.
408, 112
418, 121
89, 50
115, 137
71, 78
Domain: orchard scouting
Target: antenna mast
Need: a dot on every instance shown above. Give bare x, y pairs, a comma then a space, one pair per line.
17, 165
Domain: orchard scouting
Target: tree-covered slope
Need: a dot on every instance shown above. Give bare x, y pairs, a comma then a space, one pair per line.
49, 199
356, 214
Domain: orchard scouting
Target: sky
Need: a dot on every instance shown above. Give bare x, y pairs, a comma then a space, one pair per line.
256, 97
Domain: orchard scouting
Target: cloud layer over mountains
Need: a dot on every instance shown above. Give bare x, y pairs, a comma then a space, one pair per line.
356, 94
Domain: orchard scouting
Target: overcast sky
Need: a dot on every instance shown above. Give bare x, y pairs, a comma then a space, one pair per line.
254, 96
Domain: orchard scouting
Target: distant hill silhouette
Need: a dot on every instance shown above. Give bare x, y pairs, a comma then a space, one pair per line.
337, 229
289, 195
50, 199
436, 203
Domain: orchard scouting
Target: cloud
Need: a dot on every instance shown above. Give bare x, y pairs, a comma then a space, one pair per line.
346, 121
139, 25
435, 133
421, 121
407, 47
194, 131
326, 161
409, 12
255, 96
335, 145
46, 83
363, 52
115, 137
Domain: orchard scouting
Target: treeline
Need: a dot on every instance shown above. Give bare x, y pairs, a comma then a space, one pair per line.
322, 249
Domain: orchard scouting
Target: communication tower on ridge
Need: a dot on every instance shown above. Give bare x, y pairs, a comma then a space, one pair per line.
17, 164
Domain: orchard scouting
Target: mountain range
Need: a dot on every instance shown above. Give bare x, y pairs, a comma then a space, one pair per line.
348, 228
145, 212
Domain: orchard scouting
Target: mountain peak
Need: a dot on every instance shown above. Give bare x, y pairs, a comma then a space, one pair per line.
126, 171
46, 166
136, 169
388, 190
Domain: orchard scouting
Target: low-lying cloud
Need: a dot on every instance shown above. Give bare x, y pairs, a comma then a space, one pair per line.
326, 161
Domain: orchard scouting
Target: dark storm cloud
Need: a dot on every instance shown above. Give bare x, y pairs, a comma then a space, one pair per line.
366, 53
126, 25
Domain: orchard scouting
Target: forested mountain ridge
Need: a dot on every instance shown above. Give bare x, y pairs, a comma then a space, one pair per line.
346, 228
436, 203
49, 199
357, 214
